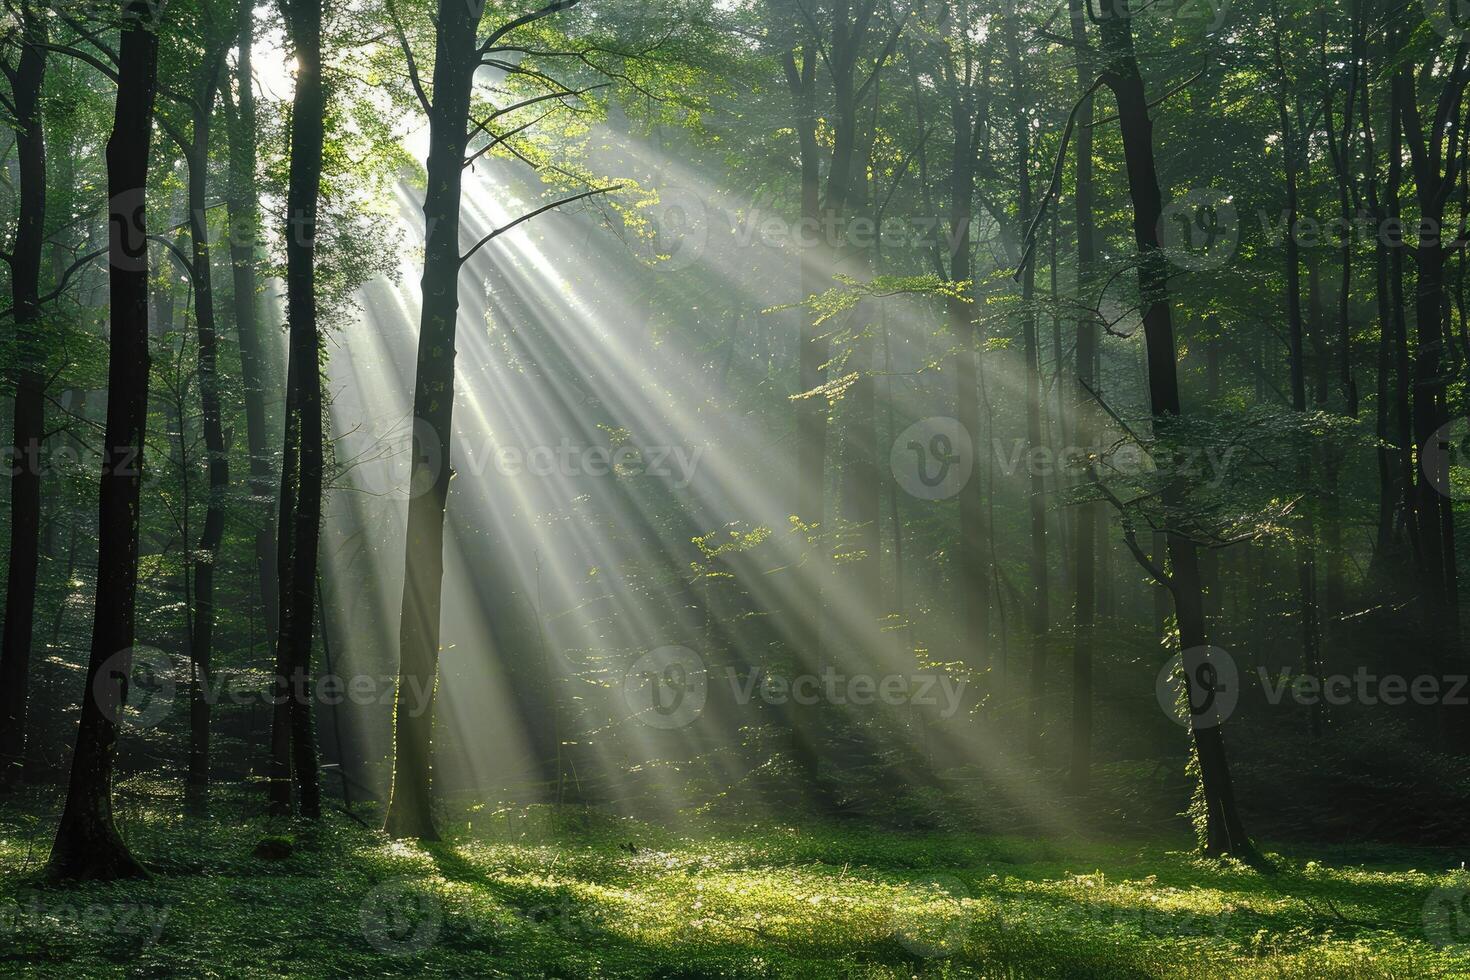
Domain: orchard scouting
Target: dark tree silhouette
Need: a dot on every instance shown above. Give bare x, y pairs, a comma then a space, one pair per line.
1223, 831
88, 845
25, 77
293, 739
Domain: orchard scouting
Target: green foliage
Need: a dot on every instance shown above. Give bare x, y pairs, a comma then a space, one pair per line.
578, 893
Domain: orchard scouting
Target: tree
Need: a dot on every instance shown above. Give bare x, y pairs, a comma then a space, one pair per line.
1087, 350
199, 103
255, 364
87, 844
458, 53
303, 459
1038, 612
1223, 832
25, 76
963, 68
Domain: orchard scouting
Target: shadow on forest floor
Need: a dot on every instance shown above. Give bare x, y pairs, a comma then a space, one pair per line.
546, 893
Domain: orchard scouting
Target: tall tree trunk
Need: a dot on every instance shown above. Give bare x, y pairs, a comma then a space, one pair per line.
1437, 157
29, 419
811, 412
1038, 613
301, 482
256, 373
975, 573
1306, 559
1223, 830
1085, 547
206, 557
88, 845
1383, 543
1403, 420
862, 485
1340, 146
409, 806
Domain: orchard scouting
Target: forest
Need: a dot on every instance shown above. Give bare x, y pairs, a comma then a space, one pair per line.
735, 488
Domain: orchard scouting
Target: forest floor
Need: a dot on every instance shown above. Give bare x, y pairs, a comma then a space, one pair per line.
575, 893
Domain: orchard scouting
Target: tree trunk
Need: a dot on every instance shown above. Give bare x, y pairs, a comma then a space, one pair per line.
1038, 613
1084, 612
409, 805
255, 365
1223, 831
1306, 559
30, 398
811, 413
1436, 170
88, 845
974, 579
301, 483
201, 643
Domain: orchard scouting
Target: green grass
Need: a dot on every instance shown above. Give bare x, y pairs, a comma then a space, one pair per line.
574, 893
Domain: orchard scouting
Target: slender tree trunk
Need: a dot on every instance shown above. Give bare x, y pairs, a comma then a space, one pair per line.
1084, 610
255, 364
1403, 421
1437, 157
206, 555
1223, 830
30, 398
88, 845
409, 806
974, 579
811, 412
301, 485
1340, 146
1306, 561
1039, 614
1383, 544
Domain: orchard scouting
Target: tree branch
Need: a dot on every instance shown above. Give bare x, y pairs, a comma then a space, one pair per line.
552, 8
527, 217
413, 68
497, 140
1029, 241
